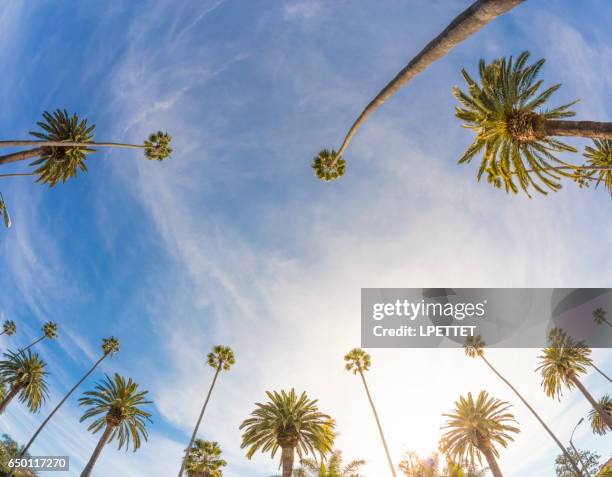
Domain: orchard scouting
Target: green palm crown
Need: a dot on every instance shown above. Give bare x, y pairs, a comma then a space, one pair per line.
204, 460
599, 316
50, 330
563, 361
475, 425
327, 165
118, 403
221, 357
357, 360
597, 423
600, 156
26, 373
9, 327
474, 346
58, 164
110, 345
330, 467
505, 112
287, 421
157, 147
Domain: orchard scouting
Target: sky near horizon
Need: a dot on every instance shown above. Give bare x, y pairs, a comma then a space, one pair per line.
233, 241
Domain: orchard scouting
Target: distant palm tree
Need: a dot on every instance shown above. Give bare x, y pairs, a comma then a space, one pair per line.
597, 423
24, 373
8, 328
599, 317
49, 330
599, 162
110, 346
204, 460
515, 136
220, 359
64, 143
6, 218
474, 348
329, 165
290, 423
331, 467
117, 407
475, 427
562, 363
358, 361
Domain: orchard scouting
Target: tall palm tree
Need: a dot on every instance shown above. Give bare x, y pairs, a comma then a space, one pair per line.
204, 460
329, 165
515, 136
358, 361
474, 348
9, 328
117, 407
63, 144
49, 330
597, 424
24, 373
331, 467
290, 423
475, 427
562, 363
220, 359
110, 346
599, 317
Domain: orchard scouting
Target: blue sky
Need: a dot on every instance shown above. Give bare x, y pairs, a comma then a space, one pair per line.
233, 241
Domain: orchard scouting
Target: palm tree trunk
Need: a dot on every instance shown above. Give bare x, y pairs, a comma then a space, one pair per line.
600, 410
601, 372
9, 397
32, 344
382, 436
20, 156
590, 129
44, 423
97, 451
195, 431
69, 144
287, 461
493, 467
550, 432
479, 14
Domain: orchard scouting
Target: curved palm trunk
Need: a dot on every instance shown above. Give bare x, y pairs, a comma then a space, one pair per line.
44, 423
600, 410
479, 14
601, 372
32, 344
195, 431
382, 436
592, 129
97, 451
550, 432
20, 156
493, 467
287, 461
9, 397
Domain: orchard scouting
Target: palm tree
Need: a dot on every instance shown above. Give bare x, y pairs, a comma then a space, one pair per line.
204, 460
474, 348
65, 141
24, 373
562, 363
49, 330
9, 328
475, 427
329, 165
116, 406
332, 467
6, 218
516, 136
290, 423
358, 361
221, 359
110, 346
599, 317
597, 423
599, 160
